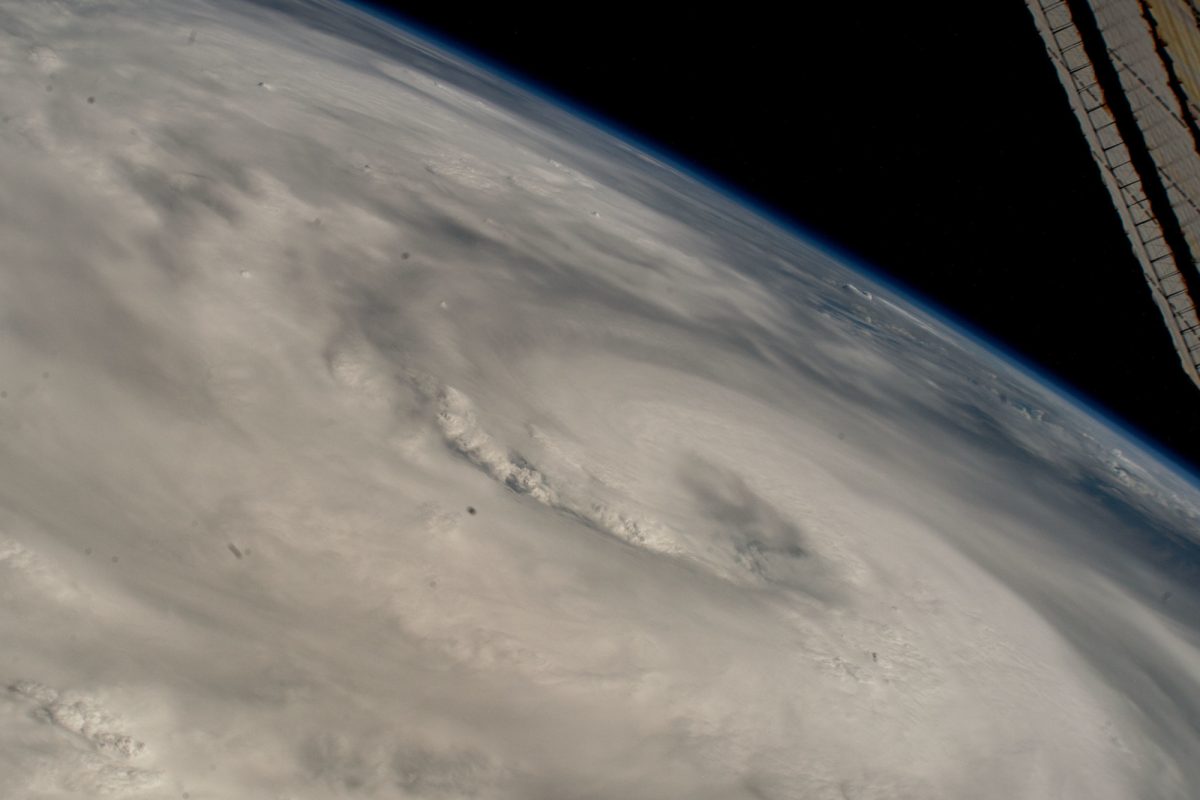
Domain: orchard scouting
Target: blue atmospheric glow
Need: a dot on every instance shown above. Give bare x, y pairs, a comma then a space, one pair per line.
835, 250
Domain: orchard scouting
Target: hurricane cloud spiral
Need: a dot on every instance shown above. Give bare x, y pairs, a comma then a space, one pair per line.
371, 428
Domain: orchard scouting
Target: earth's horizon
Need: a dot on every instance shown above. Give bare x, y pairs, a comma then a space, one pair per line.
371, 427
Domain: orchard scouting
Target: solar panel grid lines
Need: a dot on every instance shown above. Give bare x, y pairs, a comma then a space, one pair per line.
1131, 69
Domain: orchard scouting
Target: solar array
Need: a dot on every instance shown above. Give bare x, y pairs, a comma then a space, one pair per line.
1131, 69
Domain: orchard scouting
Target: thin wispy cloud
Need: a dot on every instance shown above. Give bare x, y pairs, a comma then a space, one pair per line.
371, 429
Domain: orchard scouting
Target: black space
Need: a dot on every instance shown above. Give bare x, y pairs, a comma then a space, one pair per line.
931, 140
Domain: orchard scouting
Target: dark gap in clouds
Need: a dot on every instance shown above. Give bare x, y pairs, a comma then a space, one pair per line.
724, 497
180, 198
766, 543
192, 146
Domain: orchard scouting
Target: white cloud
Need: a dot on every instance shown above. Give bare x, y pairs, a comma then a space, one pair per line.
868, 559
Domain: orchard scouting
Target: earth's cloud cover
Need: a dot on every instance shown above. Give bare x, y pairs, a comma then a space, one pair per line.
284, 292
